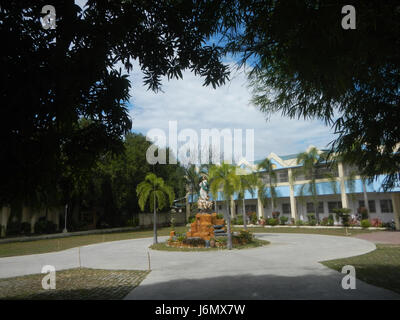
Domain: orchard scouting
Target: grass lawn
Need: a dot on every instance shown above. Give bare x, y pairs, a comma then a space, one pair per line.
326, 231
163, 246
76, 284
380, 267
51, 245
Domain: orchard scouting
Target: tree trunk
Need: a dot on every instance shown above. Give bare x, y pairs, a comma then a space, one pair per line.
155, 221
228, 224
244, 216
364, 187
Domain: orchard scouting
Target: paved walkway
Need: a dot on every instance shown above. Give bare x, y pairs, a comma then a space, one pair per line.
387, 237
288, 268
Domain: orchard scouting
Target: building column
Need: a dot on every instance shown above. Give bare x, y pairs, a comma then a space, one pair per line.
343, 193
396, 209
26, 214
293, 208
5, 214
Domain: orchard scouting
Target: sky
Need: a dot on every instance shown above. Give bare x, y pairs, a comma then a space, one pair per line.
197, 107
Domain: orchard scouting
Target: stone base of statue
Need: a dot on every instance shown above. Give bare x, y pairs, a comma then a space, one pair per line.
205, 225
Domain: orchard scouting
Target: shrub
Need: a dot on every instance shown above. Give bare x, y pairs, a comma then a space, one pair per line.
13, 228
262, 222
353, 222
237, 220
365, 223
377, 223
299, 223
272, 221
246, 236
195, 242
284, 220
275, 214
331, 221
219, 216
180, 237
253, 217
191, 219
363, 212
26, 228
45, 226
344, 215
324, 221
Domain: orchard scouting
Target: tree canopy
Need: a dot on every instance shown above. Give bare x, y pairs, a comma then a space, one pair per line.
305, 65
50, 79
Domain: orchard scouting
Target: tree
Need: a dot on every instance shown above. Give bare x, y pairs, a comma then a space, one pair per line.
157, 193
305, 65
246, 182
223, 179
51, 79
309, 161
267, 166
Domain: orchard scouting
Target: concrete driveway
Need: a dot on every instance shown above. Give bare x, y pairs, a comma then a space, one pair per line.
288, 268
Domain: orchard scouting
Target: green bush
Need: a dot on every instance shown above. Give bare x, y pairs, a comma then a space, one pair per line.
220, 216
312, 222
45, 226
365, 223
284, 220
324, 221
272, 221
238, 220
299, 223
25, 228
363, 211
191, 219
195, 242
344, 215
181, 237
245, 236
331, 220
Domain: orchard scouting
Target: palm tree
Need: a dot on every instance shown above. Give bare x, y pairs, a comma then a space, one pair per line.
223, 177
309, 161
193, 179
246, 182
267, 165
154, 188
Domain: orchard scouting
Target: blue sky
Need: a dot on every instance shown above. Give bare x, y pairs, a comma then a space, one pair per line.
198, 107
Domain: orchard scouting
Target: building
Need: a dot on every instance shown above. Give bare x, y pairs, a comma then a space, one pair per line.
343, 189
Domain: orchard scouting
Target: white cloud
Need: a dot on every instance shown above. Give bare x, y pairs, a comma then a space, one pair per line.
198, 107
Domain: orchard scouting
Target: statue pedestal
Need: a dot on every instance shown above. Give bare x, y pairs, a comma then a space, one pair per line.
203, 226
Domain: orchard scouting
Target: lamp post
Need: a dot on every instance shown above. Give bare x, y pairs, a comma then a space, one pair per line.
65, 219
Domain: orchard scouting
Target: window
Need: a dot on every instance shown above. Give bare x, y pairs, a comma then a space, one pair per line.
283, 176
371, 205
386, 206
334, 205
286, 208
250, 208
219, 207
310, 207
